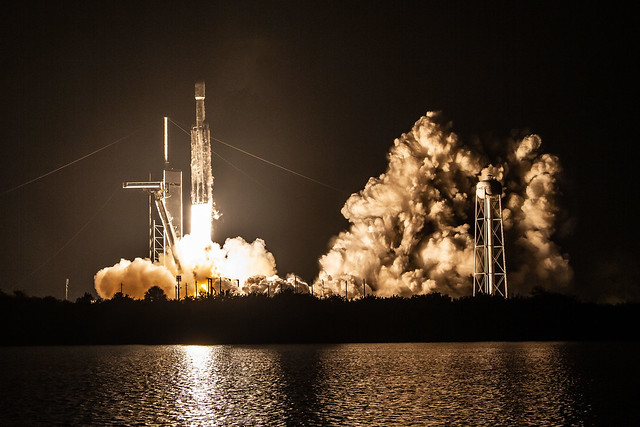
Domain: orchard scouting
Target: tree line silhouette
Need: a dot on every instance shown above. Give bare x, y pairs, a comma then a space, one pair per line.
301, 318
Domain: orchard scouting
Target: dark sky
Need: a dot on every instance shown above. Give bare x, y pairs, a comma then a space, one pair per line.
322, 88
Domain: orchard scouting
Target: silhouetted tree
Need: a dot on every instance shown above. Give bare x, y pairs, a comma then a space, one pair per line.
119, 296
87, 298
290, 318
155, 293
19, 294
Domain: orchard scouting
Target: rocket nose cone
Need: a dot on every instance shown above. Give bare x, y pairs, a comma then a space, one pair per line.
200, 90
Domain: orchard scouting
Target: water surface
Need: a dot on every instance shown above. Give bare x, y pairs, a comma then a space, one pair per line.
350, 384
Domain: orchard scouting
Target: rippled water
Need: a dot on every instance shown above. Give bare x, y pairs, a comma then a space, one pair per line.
352, 384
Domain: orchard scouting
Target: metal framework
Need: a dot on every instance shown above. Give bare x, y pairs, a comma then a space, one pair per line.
159, 241
166, 195
490, 271
158, 190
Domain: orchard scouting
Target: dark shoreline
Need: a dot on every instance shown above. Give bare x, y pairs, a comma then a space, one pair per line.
299, 318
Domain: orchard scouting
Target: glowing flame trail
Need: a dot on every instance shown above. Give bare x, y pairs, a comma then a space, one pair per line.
201, 221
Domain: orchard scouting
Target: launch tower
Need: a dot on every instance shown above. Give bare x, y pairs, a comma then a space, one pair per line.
166, 194
490, 271
167, 197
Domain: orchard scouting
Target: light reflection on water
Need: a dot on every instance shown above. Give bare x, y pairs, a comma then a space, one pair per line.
352, 384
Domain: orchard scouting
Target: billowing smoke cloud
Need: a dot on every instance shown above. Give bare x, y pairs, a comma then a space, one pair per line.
133, 278
236, 259
530, 217
410, 227
262, 285
230, 265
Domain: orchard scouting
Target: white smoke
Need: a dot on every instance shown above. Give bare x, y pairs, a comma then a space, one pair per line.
410, 227
133, 278
530, 217
230, 266
236, 259
261, 285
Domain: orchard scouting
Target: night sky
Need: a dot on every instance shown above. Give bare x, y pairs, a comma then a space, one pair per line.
322, 88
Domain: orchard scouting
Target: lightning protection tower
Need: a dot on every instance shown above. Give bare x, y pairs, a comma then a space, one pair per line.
490, 271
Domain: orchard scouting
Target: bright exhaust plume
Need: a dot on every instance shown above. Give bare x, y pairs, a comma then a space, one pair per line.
230, 265
201, 220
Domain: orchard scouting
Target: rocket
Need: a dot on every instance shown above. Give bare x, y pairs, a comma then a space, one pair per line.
203, 208
201, 175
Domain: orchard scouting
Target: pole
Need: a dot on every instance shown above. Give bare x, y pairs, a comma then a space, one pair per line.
475, 248
504, 264
489, 242
166, 141
151, 227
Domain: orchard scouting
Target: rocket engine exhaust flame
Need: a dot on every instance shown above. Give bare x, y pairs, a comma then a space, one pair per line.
237, 266
201, 221
410, 231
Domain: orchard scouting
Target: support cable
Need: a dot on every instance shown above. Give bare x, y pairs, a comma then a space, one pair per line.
72, 238
69, 164
238, 169
267, 161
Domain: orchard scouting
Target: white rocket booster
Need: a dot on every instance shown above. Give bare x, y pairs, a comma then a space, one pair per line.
201, 176
202, 205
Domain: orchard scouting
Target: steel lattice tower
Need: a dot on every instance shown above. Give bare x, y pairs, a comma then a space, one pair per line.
490, 270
